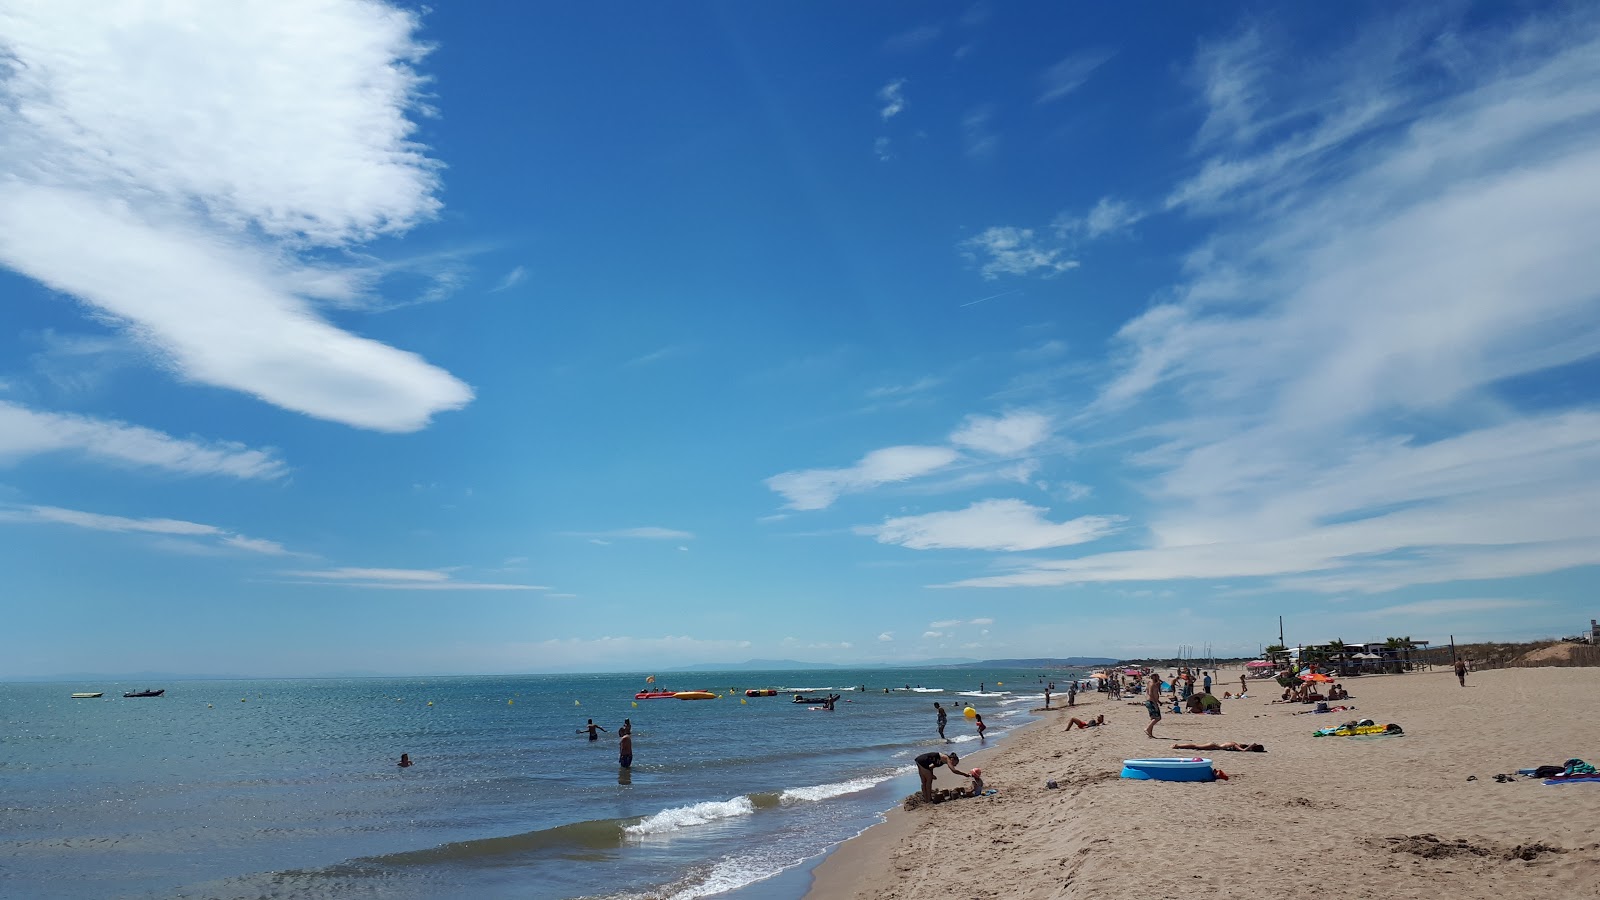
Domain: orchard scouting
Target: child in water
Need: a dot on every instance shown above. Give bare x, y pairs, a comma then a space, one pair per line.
978, 718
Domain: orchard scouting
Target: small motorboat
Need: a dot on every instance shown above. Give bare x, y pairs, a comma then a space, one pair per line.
88, 695
144, 693
695, 695
801, 698
655, 695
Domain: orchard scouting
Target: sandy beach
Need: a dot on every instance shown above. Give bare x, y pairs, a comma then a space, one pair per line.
1372, 817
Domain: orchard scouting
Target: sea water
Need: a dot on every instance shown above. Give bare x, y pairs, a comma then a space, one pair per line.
235, 789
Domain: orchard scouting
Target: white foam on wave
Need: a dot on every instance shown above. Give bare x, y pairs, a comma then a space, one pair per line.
824, 791
689, 816
726, 875
923, 690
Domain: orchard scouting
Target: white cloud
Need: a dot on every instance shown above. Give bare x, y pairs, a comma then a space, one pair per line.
1009, 435
1110, 216
1009, 525
168, 528
1069, 74
981, 621
881, 149
933, 634
886, 637
511, 279
1007, 250
893, 96
1006, 436
818, 488
1231, 74
398, 580
1345, 385
167, 164
26, 432
946, 623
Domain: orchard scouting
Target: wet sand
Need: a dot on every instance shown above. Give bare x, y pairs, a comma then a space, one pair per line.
1370, 817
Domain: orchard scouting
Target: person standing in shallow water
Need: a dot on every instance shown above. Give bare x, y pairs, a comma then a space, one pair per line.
592, 728
943, 719
625, 744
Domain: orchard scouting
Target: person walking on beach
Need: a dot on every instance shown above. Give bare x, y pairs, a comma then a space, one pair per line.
625, 744
943, 718
592, 728
1072, 694
1461, 672
927, 762
1241, 684
1152, 705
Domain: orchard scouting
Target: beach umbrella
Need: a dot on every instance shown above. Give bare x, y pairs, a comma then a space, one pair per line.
1132, 672
1315, 676
1258, 664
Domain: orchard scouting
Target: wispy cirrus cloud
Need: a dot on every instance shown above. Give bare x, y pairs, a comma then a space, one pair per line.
511, 279
28, 432
1004, 437
399, 580
1069, 74
212, 536
172, 165
1339, 388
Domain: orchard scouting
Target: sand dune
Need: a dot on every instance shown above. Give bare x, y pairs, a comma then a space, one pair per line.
1376, 817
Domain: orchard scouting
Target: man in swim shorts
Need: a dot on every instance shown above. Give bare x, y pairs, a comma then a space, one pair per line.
1461, 672
625, 744
592, 728
1152, 705
927, 762
943, 718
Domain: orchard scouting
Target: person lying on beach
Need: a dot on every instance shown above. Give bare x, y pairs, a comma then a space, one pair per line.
927, 762
1225, 745
1095, 722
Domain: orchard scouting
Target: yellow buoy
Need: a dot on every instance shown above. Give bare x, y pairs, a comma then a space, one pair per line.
576, 703
970, 713
241, 699
209, 706
510, 702
743, 702
635, 704
999, 684
430, 702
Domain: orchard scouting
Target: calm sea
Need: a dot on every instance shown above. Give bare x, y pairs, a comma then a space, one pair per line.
251, 789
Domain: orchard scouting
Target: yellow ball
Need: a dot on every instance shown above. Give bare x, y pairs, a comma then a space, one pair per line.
970, 713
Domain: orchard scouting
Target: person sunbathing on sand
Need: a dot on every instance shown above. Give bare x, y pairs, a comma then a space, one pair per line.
1095, 722
1226, 745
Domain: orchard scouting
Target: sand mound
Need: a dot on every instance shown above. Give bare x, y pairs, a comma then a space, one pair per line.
1555, 653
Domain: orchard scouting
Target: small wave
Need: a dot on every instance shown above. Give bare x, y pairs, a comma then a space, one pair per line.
923, 690
679, 817
824, 791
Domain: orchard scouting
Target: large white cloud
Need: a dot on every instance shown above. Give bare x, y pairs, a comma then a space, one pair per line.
1009, 525
166, 163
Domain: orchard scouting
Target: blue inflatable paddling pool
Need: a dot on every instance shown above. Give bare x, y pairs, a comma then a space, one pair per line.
1169, 769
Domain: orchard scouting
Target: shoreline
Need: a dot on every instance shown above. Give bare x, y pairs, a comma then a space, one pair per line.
1378, 817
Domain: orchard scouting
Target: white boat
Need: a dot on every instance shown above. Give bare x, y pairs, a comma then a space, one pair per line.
87, 695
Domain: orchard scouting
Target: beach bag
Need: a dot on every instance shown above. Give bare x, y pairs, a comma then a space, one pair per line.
1548, 771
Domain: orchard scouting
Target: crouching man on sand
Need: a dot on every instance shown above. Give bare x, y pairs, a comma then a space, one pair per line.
927, 762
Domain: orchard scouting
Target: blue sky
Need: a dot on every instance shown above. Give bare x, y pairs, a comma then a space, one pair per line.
510, 337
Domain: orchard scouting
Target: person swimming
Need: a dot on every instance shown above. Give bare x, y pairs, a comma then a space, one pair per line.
405, 760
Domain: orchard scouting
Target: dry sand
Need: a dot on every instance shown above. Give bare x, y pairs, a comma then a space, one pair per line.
1376, 817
